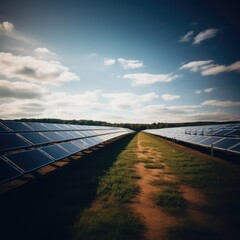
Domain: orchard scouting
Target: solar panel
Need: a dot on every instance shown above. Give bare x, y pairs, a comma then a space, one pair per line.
236, 149
226, 143
52, 127
210, 140
11, 141
66, 135
70, 147
55, 151
3, 130
29, 160
16, 126
54, 136
37, 126
7, 172
81, 144
199, 139
36, 138
223, 132
234, 133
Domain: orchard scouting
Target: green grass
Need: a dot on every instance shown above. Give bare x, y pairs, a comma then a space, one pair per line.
112, 217
171, 200
154, 166
217, 182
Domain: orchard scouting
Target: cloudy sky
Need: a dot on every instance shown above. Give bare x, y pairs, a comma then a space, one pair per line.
120, 61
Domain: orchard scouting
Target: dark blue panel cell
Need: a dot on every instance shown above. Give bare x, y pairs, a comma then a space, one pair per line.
55, 151
64, 126
66, 135
83, 133
3, 130
81, 144
54, 136
37, 126
226, 143
199, 139
70, 147
16, 126
36, 138
52, 127
10, 141
7, 172
76, 134
234, 133
236, 149
29, 160
210, 140
223, 132
190, 138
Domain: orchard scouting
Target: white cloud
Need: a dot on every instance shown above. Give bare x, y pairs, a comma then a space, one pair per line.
169, 97
6, 26
187, 37
128, 100
216, 69
195, 66
209, 90
216, 103
7, 30
43, 50
130, 64
147, 78
109, 61
204, 35
31, 69
198, 91
207, 67
21, 90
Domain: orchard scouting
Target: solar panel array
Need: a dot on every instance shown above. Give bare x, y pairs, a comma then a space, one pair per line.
222, 137
27, 146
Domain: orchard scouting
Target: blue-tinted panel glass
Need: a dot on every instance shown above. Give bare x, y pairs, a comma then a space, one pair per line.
190, 138
63, 126
236, 148
75, 134
37, 126
52, 127
11, 141
199, 139
29, 160
234, 133
66, 135
210, 140
17, 126
223, 132
81, 144
70, 147
36, 138
54, 136
3, 130
7, 172
226, 143
56, 152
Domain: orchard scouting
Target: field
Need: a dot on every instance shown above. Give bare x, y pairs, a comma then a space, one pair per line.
140, 187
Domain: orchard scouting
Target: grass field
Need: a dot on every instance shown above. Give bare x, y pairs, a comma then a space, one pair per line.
92, 198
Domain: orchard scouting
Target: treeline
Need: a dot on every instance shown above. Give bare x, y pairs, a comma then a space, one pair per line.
134, 126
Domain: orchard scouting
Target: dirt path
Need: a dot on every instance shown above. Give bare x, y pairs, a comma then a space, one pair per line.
156, 220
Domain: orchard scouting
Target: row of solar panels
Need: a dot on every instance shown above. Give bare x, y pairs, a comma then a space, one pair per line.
226, 144
23, 152
15, 126
227, 130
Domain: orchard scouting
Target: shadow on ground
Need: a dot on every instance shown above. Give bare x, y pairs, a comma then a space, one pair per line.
47, 207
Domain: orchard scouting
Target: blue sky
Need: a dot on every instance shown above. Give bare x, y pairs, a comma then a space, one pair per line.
120, 61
